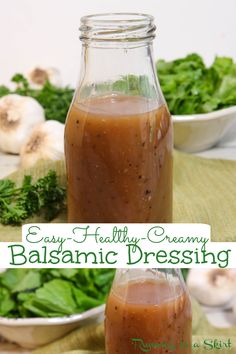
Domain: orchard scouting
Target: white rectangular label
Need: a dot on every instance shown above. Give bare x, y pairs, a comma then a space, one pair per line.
117, 246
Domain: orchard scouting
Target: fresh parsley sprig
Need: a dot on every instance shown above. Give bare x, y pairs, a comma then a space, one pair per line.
45, 197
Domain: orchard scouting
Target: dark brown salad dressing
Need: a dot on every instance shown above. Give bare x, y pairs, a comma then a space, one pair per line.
147, 310
119, 160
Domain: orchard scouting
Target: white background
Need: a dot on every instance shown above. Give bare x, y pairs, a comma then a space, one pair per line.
45, 32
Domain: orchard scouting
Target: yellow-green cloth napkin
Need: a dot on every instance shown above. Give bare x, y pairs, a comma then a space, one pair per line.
204, 192
90, 340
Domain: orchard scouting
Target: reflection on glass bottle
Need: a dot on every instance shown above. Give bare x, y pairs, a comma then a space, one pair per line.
118, 136
148, 309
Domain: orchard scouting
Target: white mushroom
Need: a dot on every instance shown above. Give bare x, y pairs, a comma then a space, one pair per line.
212, 287
45, 142
18, 116
37, 77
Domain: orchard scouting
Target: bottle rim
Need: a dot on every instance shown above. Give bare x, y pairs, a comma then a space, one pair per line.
117, 27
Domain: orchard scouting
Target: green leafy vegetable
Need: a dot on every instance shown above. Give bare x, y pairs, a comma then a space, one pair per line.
52, 292
84, 301
12, 277
135, 85
55, 296
190, 87
4, 91
31, 280
185, 273
19, 203
6, 303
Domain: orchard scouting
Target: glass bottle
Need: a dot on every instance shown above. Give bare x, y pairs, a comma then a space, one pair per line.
118, 135
148, 310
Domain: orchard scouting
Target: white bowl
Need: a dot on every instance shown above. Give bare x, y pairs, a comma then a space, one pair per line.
34, 332
197, 132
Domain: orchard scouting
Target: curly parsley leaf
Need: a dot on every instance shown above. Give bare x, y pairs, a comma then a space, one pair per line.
45, 197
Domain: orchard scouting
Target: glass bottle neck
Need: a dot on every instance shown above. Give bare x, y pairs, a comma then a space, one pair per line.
170, 275
130, 69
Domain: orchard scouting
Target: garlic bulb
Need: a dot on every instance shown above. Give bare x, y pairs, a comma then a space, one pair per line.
37, 77
18, 116
45, 142
212, 287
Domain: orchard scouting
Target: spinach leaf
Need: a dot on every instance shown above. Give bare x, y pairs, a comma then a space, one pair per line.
31, 281
6, 303
52, 292
54, 296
